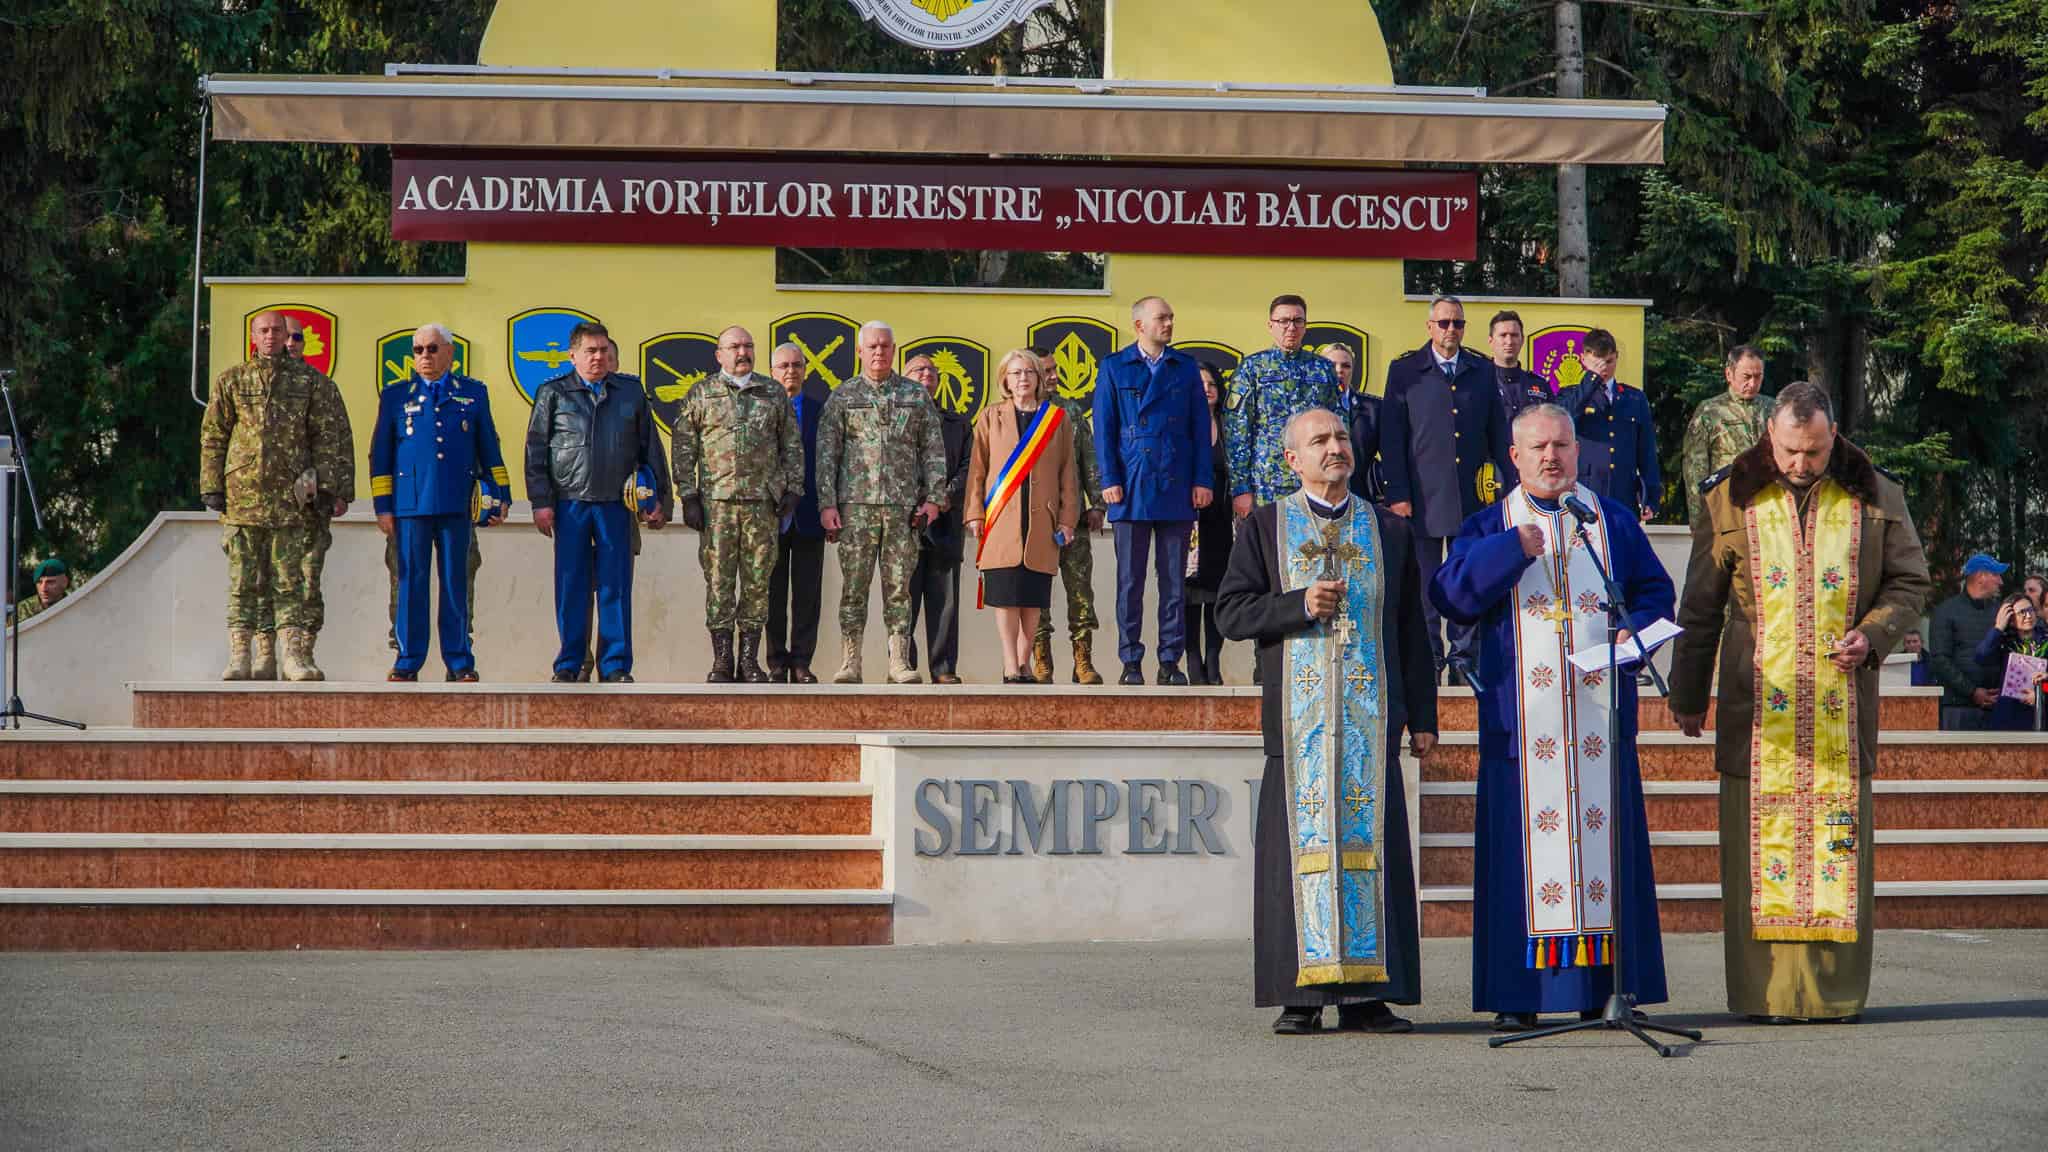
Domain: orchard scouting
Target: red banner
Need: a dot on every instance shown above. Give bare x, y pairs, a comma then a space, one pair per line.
1045, 207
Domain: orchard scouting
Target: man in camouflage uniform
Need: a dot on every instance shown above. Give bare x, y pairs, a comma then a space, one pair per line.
1726, 426
1077, 559
739, 469
1267, 391
881, 479
52, 583
271, 448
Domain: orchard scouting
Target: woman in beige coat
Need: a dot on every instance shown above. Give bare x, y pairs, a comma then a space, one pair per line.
1022, 549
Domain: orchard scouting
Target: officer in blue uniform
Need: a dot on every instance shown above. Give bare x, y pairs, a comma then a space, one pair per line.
432, 446
1617, 432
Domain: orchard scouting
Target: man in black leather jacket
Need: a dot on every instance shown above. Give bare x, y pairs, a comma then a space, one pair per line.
591, 433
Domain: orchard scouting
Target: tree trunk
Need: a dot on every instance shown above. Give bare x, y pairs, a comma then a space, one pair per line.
1855, 396
1574, 263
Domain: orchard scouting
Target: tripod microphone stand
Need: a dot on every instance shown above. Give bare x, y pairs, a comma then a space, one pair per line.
1619, 1014
15, 468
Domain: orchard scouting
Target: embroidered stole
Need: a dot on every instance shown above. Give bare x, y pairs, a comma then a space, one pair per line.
1566, 766
1803, 743
1335, 733
1015, 474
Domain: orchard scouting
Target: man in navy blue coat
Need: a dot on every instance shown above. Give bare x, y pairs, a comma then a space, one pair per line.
1152, 445
793, 585
432, 445
1518, 386
1617, 432
1444, 446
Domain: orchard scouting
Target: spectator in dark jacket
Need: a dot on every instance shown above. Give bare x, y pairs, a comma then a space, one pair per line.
935, 583
2017, 630
793, 587
1958, 624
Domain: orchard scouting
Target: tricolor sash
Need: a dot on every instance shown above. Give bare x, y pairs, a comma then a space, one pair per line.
1566, 765
1335, 734
1011, 478
1803, 744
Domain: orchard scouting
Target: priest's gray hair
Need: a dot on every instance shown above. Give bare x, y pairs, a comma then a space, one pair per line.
861, 337
1292, 433
440, 330
785, 346
1544, 411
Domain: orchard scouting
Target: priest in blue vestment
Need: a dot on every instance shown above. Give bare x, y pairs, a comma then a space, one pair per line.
1326, 583
1551, 783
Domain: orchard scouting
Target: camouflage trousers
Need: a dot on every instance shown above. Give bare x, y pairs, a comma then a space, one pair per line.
267, 576
319, 538
874, 533
476, 561
738, 547
1077, 572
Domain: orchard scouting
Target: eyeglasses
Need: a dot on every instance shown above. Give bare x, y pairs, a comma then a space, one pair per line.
1448, 325
295, 338
1290, 321
425, 349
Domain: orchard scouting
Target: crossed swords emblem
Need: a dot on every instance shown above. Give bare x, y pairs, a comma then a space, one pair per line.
814, 362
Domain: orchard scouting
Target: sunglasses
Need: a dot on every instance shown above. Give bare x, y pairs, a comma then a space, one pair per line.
425, 349
1447, 325
295, 338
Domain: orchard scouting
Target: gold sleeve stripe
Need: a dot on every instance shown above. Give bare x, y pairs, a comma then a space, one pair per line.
501, 476
380, 485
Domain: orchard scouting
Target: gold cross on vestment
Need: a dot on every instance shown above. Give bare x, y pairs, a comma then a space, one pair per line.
1307, 679
1359, 677
1313, 805
1335, 555
1559, 614
1357, 800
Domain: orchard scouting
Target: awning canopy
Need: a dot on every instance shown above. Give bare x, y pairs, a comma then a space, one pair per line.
920, 116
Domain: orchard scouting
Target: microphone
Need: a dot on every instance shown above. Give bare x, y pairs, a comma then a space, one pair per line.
1579, 511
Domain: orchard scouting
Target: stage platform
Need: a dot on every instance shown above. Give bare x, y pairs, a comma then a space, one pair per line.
354, 815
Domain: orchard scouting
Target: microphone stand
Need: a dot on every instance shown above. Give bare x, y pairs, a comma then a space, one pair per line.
1620, 1013
17, 464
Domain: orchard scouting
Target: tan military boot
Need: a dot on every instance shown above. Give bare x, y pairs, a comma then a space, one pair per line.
263, 656
1084, 661
849, 666
900, 671
238, 655
1041, 659
295, 655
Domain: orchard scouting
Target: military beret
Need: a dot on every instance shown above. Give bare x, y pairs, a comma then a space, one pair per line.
51, 567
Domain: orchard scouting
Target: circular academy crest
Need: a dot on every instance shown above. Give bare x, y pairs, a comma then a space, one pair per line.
946, 25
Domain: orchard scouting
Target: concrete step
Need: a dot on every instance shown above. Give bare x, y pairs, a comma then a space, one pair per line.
1447, 909
708, 707
246, 919
1904, 755
316, 807
430, 754
1902, 854
1685, 805
288, 860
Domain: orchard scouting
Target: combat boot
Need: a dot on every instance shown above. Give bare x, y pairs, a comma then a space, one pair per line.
1041, 659
900, 671
295, 656
1084, 661
750, 670
263, 656
721, 657
238, 655
849, 665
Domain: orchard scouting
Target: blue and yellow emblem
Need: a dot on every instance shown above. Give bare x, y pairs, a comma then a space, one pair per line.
963, 371
1222, 357
670, 365
537, 345
1321, 336
394, 357
1079, 345
825, 338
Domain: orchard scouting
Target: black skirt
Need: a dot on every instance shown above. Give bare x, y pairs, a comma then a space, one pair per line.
1017, 587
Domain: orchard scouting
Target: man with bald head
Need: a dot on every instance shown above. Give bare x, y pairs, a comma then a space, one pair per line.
432, 446
738, 457
291, 451
1327, 585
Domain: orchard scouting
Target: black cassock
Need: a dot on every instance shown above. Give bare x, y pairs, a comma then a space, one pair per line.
1250, 607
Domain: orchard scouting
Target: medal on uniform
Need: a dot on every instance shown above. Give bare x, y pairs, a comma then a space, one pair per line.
465, 425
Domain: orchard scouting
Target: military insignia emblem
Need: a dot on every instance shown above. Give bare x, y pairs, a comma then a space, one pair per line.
670, 365
963, 367
1222, 357
321, 326
537, 343
946, 25
394, 357
1554, 354
827, 341
1330, 333
1079, 345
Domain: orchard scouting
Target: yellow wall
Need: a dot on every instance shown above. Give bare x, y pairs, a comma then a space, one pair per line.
725, 35
1248, 41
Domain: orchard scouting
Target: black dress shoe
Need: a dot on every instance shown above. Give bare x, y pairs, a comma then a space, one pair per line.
618, 678
1298, 1022
1170, 673
398, 677
1373, 1016
567, 678
1132, 675
466, 676
802, 674
1513, 1021
944, 678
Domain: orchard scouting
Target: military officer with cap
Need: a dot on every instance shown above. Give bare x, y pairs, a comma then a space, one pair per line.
433, 444
1617, 432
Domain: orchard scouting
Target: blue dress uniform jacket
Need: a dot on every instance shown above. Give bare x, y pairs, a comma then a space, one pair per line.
432, 446
1625, 427
1440, 436
809, 403
1152, 435
1519, 388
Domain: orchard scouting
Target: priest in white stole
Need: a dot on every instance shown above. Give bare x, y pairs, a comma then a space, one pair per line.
1551, 779
1328, 586
1806, 572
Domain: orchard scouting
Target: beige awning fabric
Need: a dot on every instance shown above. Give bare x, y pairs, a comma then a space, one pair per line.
1129, 124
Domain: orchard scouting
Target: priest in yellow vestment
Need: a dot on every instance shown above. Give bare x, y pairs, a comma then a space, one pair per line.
1806, 572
